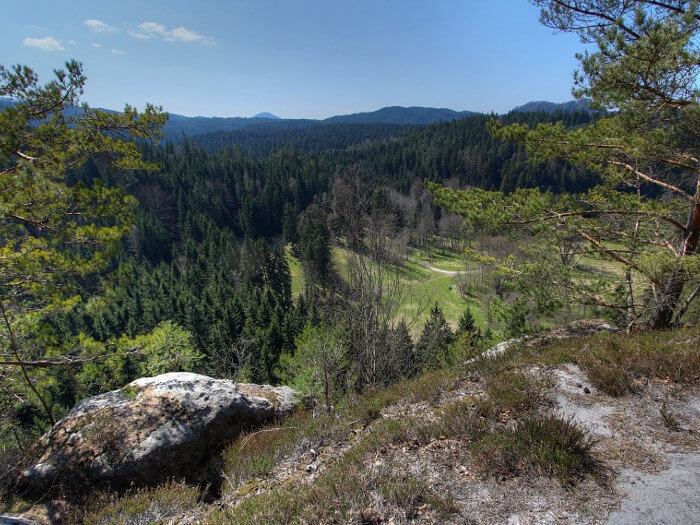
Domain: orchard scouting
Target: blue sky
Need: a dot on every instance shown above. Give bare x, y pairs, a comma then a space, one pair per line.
302, 58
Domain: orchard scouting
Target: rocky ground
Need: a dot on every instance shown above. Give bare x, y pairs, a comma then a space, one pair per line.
651, 472
646, 449
647, 445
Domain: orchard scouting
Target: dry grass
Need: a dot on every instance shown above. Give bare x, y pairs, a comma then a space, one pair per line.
146, 506
503, 429
352, 490
511, 392
542, 445
615, 362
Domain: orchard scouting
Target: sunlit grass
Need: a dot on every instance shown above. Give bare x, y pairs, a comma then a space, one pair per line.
423, 287
296, 272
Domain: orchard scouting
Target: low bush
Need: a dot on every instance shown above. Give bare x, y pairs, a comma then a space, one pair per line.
146, 506
511, 392
544, 445
613, 362
342, 494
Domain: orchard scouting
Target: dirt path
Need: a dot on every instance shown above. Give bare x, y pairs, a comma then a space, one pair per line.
658, 470
451, 273
669, 497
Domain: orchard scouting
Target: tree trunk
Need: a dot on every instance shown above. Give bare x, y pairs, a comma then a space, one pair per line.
669, 297
665, 306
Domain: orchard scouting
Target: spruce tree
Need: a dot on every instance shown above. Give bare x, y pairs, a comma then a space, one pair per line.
434, 339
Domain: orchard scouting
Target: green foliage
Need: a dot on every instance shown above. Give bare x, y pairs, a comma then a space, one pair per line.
314, 245
434, 341
109, 365
645, 68
319, 366
466, 323
58, 234
67, 230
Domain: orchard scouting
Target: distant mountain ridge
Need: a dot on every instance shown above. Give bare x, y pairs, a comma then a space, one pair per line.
267, 115
551, 107
179, 125
402, 115
191, 126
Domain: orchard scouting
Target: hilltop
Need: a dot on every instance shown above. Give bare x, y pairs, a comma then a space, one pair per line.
267, 115
551, 107
576, 425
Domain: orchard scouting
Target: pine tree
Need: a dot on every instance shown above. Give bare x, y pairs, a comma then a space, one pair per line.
56, 231
434, 339
466, 323
645, 69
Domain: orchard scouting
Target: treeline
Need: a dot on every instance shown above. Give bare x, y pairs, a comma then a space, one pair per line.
317, 138
462, 150
465, 151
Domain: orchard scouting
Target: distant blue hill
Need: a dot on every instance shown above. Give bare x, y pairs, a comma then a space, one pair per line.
551, 107
267, 115
402, 115
179, 125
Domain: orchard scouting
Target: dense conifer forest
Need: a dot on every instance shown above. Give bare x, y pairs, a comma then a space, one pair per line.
206, 252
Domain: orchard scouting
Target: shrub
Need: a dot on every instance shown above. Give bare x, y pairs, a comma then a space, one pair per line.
510, 392
461, 420
611, 378
146, 506
545, 445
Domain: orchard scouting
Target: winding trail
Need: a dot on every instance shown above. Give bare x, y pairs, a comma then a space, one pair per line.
451, 273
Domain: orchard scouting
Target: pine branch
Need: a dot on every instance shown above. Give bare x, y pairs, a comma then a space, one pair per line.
613, 254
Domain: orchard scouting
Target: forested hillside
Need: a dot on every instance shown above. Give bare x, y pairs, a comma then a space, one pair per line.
206, 249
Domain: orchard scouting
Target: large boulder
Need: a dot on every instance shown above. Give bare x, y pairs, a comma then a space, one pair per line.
153, 429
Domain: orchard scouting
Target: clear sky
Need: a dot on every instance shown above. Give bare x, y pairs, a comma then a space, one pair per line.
295, 58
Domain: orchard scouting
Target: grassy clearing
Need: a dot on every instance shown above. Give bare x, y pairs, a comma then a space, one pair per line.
451, 261
296, 272
424, 287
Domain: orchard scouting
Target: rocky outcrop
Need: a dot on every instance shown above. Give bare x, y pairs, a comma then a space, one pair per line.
152, 429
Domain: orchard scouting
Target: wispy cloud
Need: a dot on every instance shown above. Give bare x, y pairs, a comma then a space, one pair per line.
185, 35
118, 52
96, 45
98, 26
150, 30
48, 43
